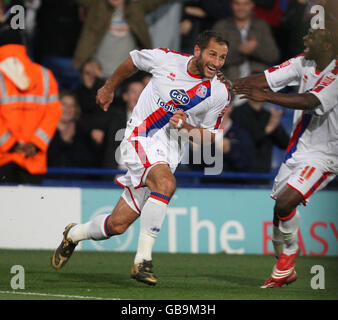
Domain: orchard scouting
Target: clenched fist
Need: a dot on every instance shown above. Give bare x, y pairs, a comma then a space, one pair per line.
104, 97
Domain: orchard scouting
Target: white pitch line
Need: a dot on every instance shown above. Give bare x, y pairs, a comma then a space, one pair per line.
55, 295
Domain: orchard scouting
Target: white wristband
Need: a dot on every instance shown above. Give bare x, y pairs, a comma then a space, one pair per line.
179, 124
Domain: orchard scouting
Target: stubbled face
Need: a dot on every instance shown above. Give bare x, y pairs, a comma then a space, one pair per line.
211, 59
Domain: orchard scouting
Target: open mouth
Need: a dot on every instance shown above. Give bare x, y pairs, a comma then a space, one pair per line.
306, 50
211, 69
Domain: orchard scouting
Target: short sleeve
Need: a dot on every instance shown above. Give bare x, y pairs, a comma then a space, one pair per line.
327, 93
219, 102
148, 59
285, 74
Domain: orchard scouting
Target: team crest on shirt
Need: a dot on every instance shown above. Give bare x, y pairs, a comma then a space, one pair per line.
202, 91
179, 96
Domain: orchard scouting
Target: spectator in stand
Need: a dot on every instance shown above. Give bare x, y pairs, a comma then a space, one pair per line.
93, 122
271, 11
265, 129
276, 14
69, 148
29, 111
58, 27
199, 15
112, 29
119, 117
252, 46
236, 144
164, 25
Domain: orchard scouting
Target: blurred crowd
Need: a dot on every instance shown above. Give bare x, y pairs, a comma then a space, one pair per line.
83, 41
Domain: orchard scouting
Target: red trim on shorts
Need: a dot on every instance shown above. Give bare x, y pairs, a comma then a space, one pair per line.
131, 195
317, 184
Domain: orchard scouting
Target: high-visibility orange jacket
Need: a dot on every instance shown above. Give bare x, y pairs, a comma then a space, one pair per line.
29, 108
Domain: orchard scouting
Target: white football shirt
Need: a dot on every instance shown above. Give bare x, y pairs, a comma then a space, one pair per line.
173, 87
315, 133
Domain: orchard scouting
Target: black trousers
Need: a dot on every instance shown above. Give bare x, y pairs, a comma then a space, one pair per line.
12, 173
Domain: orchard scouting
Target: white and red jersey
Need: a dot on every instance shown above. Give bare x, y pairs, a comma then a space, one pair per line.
315, 133
172, 88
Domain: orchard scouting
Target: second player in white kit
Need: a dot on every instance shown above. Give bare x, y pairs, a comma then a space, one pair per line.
312, 154
311, 160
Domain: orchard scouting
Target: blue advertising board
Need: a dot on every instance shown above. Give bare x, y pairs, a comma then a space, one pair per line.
221, 220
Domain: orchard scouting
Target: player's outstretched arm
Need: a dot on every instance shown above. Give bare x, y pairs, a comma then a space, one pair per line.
105, 94
303, 101
257, 80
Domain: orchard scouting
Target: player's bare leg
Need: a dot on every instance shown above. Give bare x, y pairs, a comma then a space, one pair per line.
162, 185
285, 240
100, 228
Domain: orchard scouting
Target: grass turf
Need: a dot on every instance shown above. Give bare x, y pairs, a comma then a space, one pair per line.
181, 277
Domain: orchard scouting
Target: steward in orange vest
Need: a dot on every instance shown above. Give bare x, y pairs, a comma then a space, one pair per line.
29, 110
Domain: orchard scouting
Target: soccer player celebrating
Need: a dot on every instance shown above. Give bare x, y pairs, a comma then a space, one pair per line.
311, 160
183, 94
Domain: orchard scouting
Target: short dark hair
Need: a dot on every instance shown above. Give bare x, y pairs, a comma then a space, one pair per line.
205, 36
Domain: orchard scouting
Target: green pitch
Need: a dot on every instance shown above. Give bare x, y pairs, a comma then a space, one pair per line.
105, 275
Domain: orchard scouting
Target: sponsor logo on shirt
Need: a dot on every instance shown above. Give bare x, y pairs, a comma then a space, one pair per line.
179, 97
167, 107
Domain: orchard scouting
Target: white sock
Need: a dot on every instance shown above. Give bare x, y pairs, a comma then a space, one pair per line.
152, 217
289, 229
277, 241
291, 243
96, 229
